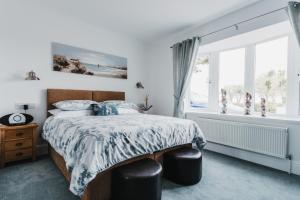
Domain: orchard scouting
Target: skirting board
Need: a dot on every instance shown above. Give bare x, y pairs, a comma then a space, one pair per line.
296, 167
273, 162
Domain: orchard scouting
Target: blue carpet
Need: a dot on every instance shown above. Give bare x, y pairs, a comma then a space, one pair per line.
224, 178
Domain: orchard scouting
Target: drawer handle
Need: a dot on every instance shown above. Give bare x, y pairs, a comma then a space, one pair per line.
19, 134
19, 154
19, 144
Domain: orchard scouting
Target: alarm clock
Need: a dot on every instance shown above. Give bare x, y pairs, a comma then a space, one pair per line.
16, 119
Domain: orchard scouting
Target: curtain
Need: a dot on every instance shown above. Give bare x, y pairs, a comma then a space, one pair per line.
293, 10
184, 56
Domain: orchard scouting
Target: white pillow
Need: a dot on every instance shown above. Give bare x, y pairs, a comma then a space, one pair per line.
71, 105
126, 111
121, 104
57, 113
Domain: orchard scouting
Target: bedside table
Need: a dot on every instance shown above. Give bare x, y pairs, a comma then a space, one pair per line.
17, 143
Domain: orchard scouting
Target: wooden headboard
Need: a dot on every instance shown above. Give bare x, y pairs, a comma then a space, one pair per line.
55, 95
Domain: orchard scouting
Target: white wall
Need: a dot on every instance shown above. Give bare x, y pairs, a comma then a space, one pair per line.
160, 69
26, 33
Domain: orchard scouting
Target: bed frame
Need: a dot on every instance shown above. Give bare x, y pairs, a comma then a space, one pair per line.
100, 187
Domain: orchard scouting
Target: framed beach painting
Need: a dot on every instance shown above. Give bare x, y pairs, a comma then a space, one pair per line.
82, 61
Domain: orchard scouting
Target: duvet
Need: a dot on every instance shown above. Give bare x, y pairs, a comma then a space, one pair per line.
92, 144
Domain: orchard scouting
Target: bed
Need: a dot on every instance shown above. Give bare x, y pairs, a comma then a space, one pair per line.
87, 149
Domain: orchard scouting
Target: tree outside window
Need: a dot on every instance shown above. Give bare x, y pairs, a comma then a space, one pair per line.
271, 75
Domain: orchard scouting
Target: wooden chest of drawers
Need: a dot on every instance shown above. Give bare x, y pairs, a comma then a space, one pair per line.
17, 143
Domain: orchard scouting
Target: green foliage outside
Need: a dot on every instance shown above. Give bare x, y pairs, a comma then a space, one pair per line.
271, 86
199, 62
235, 94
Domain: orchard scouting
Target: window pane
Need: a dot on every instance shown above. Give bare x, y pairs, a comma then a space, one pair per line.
232, 66
271, 75
199, 83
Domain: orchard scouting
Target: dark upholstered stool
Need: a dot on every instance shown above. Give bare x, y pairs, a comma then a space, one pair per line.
140, 180
183, 166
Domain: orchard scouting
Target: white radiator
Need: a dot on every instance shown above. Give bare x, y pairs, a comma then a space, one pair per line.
266, 140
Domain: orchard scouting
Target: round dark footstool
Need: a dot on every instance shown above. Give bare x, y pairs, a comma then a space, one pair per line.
183, 166
140, 180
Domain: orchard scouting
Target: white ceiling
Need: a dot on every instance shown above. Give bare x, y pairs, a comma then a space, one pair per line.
145, 19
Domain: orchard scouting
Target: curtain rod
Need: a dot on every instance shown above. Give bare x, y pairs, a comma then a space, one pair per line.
244, 21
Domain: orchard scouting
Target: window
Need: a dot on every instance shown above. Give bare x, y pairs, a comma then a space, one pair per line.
233, 61
271, 75
257, 62
199, 83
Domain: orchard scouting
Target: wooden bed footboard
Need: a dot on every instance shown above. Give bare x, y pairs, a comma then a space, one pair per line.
100, 187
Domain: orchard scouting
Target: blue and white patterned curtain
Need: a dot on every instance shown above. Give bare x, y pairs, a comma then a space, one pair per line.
184, 56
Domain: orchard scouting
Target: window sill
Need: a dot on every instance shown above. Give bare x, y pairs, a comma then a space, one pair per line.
243, 118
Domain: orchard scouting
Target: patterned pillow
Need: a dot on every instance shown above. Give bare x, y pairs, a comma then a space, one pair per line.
104, 109
72, 105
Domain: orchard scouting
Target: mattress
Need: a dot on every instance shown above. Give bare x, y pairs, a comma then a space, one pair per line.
92, 144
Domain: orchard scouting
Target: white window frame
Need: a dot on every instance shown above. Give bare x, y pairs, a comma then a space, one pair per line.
254, 68
293, 74
213, 97
230, 49
209, 81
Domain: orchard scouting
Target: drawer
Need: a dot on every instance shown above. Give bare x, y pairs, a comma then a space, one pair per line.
17, 144
18, 154
17, 134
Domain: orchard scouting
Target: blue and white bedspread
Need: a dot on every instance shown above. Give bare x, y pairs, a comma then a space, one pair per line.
91, 144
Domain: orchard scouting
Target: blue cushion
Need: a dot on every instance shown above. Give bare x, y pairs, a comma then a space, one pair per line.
105, 109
